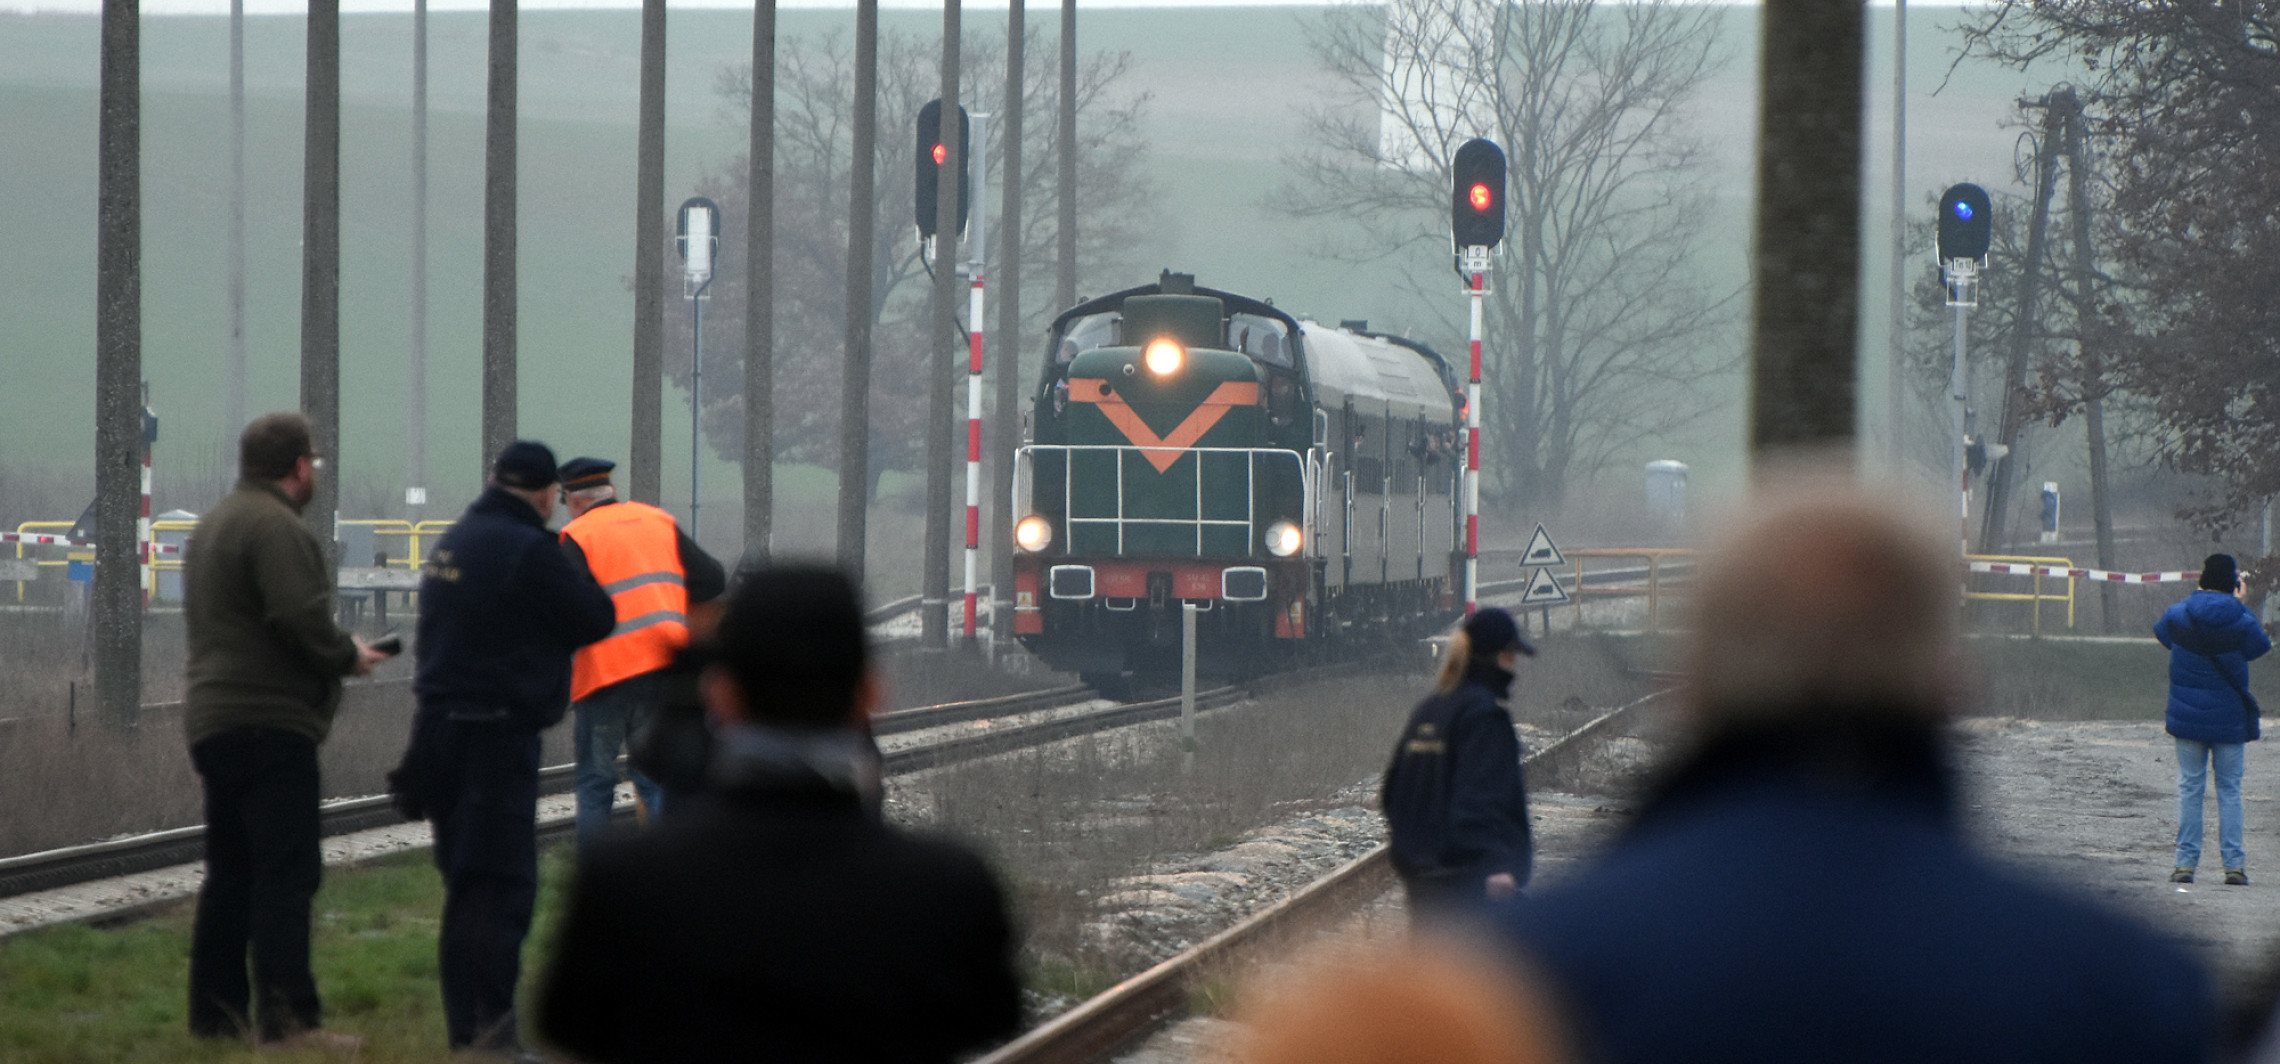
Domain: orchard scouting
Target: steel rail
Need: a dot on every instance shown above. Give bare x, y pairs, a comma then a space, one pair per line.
1112, 1020
65, 866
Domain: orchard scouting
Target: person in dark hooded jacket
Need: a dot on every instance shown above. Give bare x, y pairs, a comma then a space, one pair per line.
2211, 638
1455, 806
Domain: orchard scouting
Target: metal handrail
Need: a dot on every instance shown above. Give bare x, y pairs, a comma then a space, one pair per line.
1024, 474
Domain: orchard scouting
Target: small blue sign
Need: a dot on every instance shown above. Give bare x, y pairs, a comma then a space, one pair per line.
80, 572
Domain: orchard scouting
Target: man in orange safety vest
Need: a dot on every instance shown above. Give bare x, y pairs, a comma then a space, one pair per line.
654, 573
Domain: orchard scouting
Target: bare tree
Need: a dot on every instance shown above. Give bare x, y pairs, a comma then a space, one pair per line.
815, 106
1600, 321
2181, 101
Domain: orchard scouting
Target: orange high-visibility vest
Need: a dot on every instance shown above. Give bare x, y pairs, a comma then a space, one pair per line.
633, 550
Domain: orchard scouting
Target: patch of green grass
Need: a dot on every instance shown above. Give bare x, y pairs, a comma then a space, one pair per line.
75, 994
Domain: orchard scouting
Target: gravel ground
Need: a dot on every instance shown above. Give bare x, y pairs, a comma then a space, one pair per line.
2087, 805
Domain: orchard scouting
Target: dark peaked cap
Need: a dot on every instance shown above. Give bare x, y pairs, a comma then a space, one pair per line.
581, 473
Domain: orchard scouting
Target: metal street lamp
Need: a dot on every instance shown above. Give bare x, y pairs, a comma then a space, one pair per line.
698, 238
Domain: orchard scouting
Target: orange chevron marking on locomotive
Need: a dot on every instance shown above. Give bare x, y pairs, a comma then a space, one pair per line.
1162, 451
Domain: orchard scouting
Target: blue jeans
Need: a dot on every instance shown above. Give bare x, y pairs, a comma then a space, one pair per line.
2193, 762
606, 718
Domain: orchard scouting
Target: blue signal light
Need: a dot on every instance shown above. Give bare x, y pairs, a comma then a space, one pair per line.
1963, 211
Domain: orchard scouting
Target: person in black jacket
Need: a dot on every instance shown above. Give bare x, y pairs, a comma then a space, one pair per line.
773, 917
1454, 802
501, 612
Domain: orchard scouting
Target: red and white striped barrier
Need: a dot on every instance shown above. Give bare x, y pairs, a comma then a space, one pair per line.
2017, 569
36, 539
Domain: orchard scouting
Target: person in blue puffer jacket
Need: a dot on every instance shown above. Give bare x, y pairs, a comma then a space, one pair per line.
2211, 638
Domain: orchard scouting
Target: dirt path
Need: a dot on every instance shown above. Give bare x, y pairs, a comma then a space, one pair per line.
2093, 806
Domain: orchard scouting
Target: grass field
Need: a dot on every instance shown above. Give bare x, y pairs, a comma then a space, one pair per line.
84, 995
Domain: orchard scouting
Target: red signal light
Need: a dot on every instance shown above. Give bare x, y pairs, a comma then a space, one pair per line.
1482, 196
940, 153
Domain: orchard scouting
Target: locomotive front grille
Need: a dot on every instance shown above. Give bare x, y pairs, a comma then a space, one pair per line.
1117, 500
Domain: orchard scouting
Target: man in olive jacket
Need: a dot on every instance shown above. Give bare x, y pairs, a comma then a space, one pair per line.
265, 665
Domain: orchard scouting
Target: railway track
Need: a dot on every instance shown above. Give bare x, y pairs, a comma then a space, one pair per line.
164, 849
1095, 1031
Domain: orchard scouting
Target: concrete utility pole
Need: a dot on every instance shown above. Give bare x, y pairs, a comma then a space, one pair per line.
1007, 434
2025, 326
934, 618
760, 296
320, 268
499, 240
645, 477
862, 217
233, 377
1065, 272
1896, 320
1806, 305
117, 607
415, 452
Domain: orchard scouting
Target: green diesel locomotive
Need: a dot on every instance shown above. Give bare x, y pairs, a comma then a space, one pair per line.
1298, 483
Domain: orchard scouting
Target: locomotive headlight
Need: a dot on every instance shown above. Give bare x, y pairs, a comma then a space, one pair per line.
1033, 533
1284, 539
1164, 357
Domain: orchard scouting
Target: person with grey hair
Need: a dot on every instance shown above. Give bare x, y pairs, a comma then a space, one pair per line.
1798, 885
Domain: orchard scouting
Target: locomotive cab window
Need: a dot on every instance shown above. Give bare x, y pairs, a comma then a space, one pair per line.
1086, 333
1260, 337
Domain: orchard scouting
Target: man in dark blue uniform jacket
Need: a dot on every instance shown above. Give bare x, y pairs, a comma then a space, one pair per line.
2211, 639
501, 612
1798, 888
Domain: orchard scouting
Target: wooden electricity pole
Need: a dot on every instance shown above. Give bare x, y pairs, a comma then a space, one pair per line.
2025, 326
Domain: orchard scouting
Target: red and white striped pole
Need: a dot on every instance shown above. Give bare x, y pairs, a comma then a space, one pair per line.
142, 523
973, 445
977, 250
1476, 292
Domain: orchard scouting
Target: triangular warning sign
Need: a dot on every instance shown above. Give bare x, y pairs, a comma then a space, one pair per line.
1543, 590
1541, 551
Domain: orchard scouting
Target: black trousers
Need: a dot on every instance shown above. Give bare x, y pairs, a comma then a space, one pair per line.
262, 868
486, 846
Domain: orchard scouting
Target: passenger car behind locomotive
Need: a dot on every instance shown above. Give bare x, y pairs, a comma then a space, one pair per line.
1297, 482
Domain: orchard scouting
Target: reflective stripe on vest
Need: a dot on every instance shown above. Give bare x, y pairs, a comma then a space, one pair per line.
633, 550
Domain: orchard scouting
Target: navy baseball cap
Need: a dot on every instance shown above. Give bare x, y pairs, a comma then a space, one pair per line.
525, 464
1492, 631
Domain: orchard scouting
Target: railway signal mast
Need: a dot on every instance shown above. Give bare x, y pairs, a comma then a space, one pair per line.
1476, 227
932, 154
1966, 229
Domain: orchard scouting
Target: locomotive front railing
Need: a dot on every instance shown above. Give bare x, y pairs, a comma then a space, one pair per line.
1120, 521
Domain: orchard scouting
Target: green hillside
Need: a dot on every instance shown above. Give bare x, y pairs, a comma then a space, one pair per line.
1227, 86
